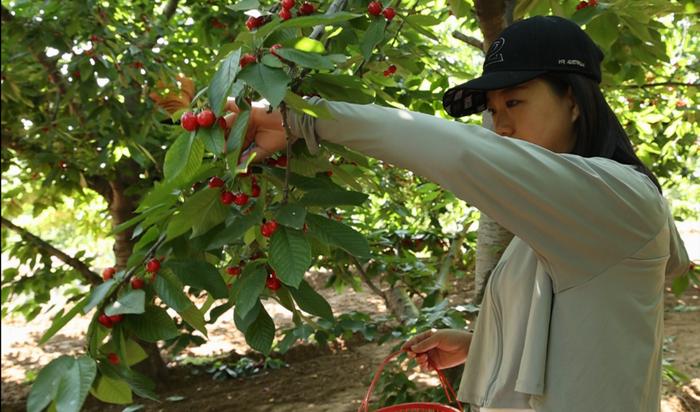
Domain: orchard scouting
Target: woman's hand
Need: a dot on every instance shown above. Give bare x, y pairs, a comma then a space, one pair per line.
264, 129
445, 348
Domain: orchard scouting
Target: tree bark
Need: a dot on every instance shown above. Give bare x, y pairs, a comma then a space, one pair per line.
492, 238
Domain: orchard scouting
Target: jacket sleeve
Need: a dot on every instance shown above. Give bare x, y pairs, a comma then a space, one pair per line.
580, 215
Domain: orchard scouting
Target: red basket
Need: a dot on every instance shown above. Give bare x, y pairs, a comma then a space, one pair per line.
413, 406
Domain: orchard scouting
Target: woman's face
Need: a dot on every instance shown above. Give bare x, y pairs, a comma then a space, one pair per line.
532, 112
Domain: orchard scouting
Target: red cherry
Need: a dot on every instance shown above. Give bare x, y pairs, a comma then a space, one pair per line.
389, 13
593, 3
251, 23
116, 319
288, 4
240, 199
285, 14
272, 282
188, 121
233, 270
392, 69
105, 321
227, 198
329, 173
95, 38
375, 8
215, 23
76, 74
306, 9
255, 191
222, 122
582, 5
215, 182
281, 161
246, 59
306, 228
108, 273
137, 283
153, 266
206, 118
113, 358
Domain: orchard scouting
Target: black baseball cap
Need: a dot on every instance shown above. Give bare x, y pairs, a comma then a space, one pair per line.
524, 50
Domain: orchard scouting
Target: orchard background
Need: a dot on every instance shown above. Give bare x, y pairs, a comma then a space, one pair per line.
98, 172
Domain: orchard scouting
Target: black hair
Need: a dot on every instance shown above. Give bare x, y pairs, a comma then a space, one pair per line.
598, 131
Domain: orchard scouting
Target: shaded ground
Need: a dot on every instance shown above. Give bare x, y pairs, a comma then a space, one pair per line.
334, 380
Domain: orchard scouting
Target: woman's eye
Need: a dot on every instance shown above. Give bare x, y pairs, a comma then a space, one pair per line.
511, 103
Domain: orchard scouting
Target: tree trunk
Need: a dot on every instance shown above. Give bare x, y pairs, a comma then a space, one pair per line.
492, 238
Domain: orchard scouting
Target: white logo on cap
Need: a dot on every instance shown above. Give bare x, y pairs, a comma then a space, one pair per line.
572, 62
493, 55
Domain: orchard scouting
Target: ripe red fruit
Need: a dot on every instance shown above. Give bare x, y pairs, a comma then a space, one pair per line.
105, 321
116, 319
389, 13
113, 358
285, 14
251, 23
582, 5
374, 8
255, 191
216, 181
153, 266
137, 283
188, 121
272, 282
281, 161
392, 69
233, 270
246, 59
268, 228
329, 173
240, 199
215, 23
227, 198
108, 273
206, 118
288, 4
306, 8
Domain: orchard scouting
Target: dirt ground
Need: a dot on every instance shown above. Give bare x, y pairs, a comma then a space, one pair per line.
314, 380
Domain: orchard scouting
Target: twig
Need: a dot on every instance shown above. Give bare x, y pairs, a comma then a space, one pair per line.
644, 86
472, 41
78, 265
367, 280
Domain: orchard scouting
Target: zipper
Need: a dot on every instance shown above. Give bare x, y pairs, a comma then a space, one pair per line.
499, 354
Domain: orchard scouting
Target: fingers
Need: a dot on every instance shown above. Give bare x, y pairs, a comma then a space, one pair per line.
231, 105
259, 152
422, 342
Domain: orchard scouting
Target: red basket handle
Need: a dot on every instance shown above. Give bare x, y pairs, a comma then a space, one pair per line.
449, 391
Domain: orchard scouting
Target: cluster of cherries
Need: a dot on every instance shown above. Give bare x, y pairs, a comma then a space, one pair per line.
272, 282
582, 5
248, 58
228, 197
390, 70
375, 9
285, 13
191, 122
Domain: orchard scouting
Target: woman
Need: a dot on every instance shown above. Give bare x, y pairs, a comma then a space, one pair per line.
572, 317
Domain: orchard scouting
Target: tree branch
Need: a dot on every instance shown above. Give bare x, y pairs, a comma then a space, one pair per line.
644, 86
170, 9
472, 41
76, 264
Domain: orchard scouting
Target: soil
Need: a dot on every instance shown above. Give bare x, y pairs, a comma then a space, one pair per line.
332, 379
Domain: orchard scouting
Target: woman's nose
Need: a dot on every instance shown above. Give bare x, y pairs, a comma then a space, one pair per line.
503, 125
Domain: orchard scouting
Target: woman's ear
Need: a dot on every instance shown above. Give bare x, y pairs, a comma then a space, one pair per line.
575, 113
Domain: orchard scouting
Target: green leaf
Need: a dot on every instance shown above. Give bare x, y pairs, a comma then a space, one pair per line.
603, 30
459, 8
212, 137
311, 301
153, 325
134, 353
243, 322
297, 102
309, 45
244, 5
252, 284
199, 274
46, 384
338, 234
233, 231
61, 321
111, 390
290, 255
169, 289
132, 301
306, 21
422, 20
680, 285
271, 83
292, 215
200, 212
373, 35
306, 59
236, 136
333, 198
183, 158
66, 381
272, 61
261, 332
98, 294
222, 81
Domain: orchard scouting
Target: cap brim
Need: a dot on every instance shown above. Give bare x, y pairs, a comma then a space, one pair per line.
470, 97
